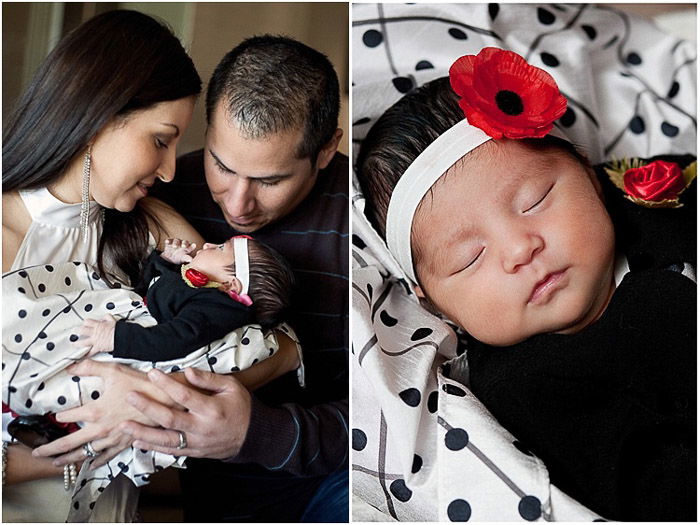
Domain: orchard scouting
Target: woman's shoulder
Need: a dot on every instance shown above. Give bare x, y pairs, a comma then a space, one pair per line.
15, 223
167, 223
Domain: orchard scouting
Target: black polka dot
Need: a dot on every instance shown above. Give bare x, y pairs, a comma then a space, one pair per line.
100, 489
400, 491
28, 403
590, 31
88, 307
402, 84
123, 466
83, 483
77, 263
421, 333
66, 309
530, 508
46, 312
42, 287
34, 375
22, 314
359, 439
255, 361
454, 390
245, 341
424, 64
372, 38
410, 396
61, 400
22, 273
26, 356
433, 402
212, 360
41, 386
42, 335
109, 306
18, 338
73, 338
457, 33
356, 240
634, 59
67, 281
143, 451
387, 319
175, 369
675, 87
76, 505
12, 389
92, 505
135, 303
21, 290
669, 129
95, 276
75, 379
117, 285
95, 394
522, 448
50, 346
417, 463
235, 369
456, 439
545, 17
459, 510
637, 125
568, 118
493, 11
272, 351
49, 268
549, 60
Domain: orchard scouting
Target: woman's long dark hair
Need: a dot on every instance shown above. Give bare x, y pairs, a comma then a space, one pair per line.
113, 64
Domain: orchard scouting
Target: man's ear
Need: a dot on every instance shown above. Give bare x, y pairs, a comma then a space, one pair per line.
328, 151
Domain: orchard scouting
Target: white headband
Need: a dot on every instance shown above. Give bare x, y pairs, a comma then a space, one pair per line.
420, 176
240, 252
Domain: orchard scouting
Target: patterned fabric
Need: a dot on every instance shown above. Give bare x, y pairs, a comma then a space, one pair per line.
49, 304
424, 448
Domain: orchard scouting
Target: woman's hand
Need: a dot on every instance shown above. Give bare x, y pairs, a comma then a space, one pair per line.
103, 416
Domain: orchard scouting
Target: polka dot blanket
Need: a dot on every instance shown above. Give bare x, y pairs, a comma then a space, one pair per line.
43, 307
424, 448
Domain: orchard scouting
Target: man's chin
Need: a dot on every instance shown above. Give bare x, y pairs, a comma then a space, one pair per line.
249, 227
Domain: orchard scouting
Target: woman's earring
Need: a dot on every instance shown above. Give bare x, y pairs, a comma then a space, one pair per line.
85, 203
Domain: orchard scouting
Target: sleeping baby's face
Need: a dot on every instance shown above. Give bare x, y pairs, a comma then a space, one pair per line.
513, 242
213, 260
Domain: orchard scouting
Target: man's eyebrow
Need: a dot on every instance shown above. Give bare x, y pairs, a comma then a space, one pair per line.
272, 176
177, 130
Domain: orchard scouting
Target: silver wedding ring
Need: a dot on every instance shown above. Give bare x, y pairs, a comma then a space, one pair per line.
89, 451
183, 440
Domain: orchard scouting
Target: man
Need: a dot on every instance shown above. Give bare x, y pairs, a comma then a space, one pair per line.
270, 168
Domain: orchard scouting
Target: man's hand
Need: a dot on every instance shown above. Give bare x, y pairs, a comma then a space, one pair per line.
98, 335
215, 424
177, 251
102, 417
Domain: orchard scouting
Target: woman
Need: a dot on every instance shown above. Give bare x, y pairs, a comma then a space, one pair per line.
98, 125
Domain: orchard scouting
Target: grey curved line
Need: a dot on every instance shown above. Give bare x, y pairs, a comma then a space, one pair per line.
360, 260
364, 470
394, 354
583, 108
381, 463
614, 142
380, 300
382, 25
658, 97
536, 41
686, 63
474, 29
361, 292
366, 348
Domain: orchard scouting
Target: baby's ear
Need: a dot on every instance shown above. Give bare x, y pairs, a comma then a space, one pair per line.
234, 284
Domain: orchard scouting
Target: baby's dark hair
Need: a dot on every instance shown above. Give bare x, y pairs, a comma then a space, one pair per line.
404, 131
270, 285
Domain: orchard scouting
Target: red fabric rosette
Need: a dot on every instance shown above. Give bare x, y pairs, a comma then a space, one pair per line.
657, 181
505, 96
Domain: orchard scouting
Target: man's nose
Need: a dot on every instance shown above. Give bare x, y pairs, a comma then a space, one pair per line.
240, 199
519, 249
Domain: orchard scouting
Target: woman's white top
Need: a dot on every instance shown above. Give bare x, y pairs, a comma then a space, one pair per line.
54, 237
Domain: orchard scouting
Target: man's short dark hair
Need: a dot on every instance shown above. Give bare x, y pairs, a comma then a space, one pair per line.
271, 84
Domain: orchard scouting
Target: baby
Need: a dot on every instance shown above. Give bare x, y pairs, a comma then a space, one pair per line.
197, 299
509, 232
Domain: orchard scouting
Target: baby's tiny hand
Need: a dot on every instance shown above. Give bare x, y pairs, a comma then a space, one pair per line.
98, 335
177, 251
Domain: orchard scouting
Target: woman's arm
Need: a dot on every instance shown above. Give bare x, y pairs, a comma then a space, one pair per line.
171, 225
22, 466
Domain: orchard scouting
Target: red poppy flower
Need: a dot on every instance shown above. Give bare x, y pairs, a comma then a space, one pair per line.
657, 181
505, 96
197, 278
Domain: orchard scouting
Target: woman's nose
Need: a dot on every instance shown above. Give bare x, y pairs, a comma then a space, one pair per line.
519, 249
166, 170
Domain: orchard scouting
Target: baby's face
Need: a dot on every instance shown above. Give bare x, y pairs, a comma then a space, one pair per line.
514, 242
212, 259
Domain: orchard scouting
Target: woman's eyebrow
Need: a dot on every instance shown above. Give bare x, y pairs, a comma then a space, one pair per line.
177, 130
